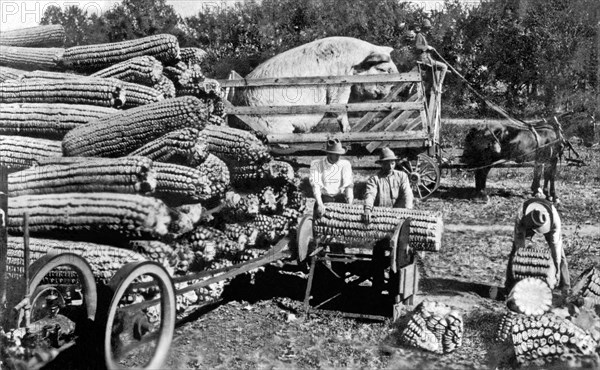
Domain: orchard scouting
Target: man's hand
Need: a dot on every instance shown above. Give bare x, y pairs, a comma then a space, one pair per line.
366, 217
320, 210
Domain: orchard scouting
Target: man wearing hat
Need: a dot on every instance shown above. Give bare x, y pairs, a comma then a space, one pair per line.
388, 188
423, 52
539, 217
331, 177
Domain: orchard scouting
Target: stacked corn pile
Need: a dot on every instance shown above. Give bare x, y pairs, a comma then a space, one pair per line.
435, 327
547, 339
123, 143
542, 335
342, 223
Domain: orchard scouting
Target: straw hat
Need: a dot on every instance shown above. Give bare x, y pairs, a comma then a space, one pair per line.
386, 155
334, 146
537, 217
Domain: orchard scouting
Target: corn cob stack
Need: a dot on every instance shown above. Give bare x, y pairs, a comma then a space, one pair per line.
163, 47
342, 223
31, 58
192, 55
588, 286
88, 91
177, 184
144, 70
45, 36
233, 145
85, 175
181, 146
87, 215
536, 263
239, 207
218, 176
104, 260
531, 297
7, 73
505, 326
18, 152
435, 327
48, 121
542, 340
165, 87
157, 251
122, 133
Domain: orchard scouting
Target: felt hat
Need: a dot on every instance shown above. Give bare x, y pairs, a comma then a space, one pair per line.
334, 146
426, 24
386, 155
537, 217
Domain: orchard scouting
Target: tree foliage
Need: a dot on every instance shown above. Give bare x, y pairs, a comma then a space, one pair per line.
533, 56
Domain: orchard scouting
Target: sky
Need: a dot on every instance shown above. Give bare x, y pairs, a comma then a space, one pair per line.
27, 13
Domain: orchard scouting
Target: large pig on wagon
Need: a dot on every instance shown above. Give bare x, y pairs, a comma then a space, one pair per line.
331, 56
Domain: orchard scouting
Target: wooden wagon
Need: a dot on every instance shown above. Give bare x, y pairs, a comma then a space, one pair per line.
406, 120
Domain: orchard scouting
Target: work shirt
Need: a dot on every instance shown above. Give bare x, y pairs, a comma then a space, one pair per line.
421, 44
392, 190
331, 179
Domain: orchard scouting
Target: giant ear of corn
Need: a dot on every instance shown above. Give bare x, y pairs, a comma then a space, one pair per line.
178, 184
342, 223
163, 47
90, 216
89, 91
18, 152
104, 260
85, 175
256, 175
192, 55
38, 36
184, 146
120, 134
233, 145
49, 75
47, 59
47, 120
145, 70
530, 297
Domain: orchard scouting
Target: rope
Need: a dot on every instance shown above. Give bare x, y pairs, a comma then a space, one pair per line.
517, 123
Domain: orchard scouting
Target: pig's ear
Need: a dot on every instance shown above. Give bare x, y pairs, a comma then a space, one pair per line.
373, 59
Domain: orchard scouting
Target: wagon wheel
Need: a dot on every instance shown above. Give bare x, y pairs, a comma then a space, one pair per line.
42, 266
139, 334
424, 175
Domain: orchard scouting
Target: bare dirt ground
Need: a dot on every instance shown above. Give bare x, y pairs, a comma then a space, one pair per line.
262, 324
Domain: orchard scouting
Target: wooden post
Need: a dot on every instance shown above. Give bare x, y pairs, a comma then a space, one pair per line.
3, 240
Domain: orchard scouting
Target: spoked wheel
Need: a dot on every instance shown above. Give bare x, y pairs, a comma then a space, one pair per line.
424, 175
42, 266
140, 322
